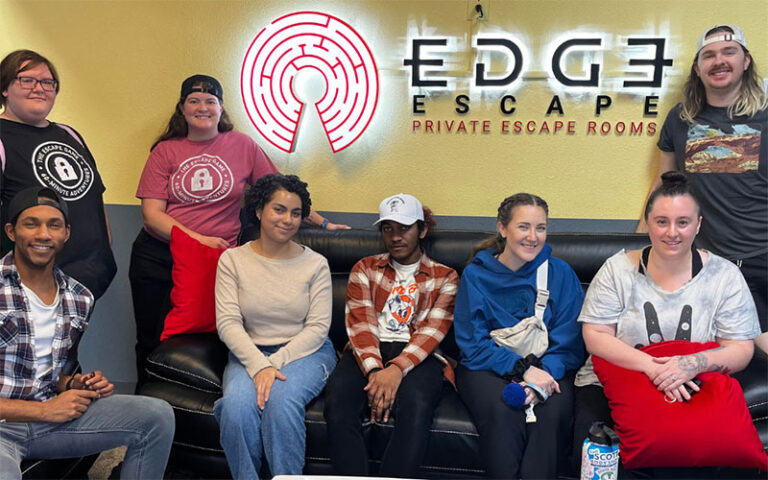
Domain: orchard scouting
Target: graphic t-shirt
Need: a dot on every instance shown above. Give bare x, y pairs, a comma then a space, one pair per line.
714, 303
400, 307
727, 162
203, 182
59, 159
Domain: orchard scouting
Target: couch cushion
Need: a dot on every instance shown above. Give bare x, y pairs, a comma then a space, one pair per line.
196, 361
453, 447
193, 409
343, 248
338, 330
586, 252
453, 441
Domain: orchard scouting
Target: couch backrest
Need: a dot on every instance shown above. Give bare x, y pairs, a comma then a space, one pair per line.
585, 252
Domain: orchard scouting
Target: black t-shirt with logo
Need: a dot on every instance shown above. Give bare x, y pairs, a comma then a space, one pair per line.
54, 157
727, 162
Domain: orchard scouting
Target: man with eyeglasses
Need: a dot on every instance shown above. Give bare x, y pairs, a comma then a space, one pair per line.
399, 309
35, 151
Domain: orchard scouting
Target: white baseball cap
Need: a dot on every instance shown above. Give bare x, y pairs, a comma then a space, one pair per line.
401, 208
737, 36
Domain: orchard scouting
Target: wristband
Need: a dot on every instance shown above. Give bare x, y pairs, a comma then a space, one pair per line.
521, 366
324, 223
533, 361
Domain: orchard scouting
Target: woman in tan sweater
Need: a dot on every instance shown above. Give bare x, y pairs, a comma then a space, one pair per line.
273, 311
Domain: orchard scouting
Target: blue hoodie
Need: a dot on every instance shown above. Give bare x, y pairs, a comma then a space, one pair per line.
492, 296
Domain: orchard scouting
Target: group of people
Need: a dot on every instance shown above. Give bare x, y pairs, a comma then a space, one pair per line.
273, 295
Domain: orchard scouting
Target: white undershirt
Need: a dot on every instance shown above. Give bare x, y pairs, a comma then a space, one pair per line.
400, 308
44, 319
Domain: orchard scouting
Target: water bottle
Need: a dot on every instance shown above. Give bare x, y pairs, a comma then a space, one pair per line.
600, 454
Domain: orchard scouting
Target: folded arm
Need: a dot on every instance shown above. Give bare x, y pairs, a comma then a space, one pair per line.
675, 372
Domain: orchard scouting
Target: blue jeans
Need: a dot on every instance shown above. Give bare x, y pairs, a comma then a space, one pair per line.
145, 425
279, 429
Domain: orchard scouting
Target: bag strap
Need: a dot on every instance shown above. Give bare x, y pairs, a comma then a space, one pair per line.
66, 128
542, 294
70, 131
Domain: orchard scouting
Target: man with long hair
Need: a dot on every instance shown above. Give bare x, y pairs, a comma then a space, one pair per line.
718, 137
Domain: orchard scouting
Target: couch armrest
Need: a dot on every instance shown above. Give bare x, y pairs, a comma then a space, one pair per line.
753, 382
196, 361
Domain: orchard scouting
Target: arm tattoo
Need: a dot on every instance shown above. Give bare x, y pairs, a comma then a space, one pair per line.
694, 364
720, 368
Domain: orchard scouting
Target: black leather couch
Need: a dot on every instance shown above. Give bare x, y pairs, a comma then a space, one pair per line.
186, 370
59, 468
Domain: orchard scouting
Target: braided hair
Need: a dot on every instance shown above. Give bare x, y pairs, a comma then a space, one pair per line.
504, 216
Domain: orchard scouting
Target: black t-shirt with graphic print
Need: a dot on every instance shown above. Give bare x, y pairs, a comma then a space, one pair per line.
727, 163
53, 157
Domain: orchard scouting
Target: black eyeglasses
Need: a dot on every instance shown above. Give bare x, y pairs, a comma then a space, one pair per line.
29, 83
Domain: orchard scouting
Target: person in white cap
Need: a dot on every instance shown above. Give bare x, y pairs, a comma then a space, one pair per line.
718, 136
399, 308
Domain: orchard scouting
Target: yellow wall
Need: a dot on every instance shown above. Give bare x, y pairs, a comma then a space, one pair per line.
122, 62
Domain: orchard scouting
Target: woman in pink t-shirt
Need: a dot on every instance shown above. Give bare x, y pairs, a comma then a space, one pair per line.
194, 179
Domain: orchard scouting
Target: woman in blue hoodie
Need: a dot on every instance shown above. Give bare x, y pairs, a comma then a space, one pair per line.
508, 277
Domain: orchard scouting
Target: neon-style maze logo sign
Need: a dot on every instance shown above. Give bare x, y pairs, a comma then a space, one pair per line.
309, 40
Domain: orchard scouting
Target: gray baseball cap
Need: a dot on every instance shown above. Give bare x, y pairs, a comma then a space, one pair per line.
737, 36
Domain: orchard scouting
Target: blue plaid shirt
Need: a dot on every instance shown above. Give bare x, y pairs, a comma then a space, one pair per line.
17, 333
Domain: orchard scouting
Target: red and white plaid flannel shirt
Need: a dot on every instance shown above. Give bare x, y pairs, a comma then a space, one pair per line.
370, 283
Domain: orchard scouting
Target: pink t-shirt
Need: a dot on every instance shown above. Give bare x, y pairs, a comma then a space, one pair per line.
203, 182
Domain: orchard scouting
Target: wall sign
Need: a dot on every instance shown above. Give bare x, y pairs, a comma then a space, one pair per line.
309, 40
426, 62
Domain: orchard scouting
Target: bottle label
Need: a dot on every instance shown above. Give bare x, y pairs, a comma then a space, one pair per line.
599, 462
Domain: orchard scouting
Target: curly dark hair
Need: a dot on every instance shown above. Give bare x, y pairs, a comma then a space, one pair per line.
673, 184
261, 192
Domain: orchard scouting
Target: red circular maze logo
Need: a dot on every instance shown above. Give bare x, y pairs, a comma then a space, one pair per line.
309, 40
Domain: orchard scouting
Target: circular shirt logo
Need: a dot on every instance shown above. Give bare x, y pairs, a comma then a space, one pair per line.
204, 178
63, 169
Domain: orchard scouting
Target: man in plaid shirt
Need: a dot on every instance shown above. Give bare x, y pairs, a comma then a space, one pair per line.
399, 307
44, 412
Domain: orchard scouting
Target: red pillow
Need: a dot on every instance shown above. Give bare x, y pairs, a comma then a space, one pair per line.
193, 302
712, 429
